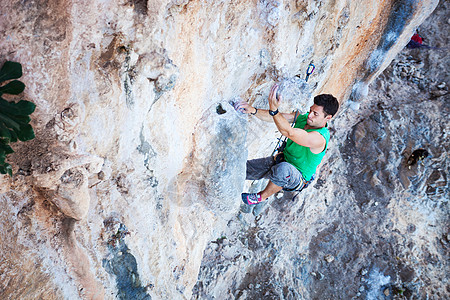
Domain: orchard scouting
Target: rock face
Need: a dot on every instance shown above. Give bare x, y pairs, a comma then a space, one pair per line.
131, 187
374, 224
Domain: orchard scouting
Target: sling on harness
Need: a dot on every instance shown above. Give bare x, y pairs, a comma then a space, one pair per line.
280, 148
301, 188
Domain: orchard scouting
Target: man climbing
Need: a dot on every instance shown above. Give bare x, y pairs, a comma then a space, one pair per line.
305, 147
417, 42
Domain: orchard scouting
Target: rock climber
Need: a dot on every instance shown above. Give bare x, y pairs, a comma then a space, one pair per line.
417, 42
306, 145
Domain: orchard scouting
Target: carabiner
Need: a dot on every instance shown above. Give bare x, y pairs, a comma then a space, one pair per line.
309, 70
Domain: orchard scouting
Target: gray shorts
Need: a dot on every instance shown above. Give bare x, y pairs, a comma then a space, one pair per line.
282, 174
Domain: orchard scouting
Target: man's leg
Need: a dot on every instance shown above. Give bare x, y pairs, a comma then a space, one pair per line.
270, 189
282, 175
258, 168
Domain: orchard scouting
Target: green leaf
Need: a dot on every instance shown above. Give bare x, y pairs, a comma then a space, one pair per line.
4, 132
25, 107
26, 133
10, 123
5, 149
14, 117
22, 107
10, 70
7, 107
6, 169
14, 87
22, 119
8, 150
13, 136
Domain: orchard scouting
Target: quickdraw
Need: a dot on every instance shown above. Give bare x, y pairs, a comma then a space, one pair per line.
309, 70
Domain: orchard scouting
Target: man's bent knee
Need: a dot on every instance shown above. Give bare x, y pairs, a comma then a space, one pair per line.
285, 175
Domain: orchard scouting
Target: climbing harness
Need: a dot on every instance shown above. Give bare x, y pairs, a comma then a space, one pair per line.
303, 185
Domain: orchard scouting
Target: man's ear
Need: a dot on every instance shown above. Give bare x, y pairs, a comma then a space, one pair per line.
328, 117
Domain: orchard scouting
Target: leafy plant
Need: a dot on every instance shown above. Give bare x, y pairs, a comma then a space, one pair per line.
14, 117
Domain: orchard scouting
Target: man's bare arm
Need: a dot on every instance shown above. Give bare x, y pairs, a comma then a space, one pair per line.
313, 140
262, 114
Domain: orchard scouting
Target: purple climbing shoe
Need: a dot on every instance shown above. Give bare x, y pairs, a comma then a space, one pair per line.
251, 198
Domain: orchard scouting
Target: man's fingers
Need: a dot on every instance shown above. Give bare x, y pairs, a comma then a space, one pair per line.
240, 104
242, 107
273, 92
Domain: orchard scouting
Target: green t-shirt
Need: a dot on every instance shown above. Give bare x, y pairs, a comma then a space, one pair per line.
302, 157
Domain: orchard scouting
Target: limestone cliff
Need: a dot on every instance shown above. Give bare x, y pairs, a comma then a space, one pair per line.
139, 158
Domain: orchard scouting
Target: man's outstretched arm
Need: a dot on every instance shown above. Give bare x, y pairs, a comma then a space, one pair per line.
262, 114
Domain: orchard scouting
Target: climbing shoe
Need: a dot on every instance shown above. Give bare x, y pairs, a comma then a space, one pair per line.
251, 198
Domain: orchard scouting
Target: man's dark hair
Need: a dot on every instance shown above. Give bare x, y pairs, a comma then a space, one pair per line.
328, 102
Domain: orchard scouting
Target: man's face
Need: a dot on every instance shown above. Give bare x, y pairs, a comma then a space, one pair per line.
316, 117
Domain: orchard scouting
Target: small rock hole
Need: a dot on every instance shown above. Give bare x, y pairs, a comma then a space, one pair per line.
220, 110
417, 155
